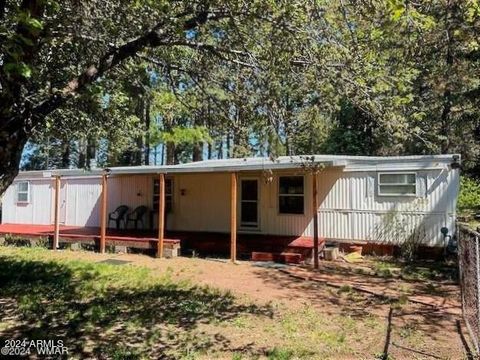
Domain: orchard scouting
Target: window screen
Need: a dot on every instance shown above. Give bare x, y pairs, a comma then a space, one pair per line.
23, 192
397, 184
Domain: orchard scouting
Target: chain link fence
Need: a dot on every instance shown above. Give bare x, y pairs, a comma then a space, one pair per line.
469, 264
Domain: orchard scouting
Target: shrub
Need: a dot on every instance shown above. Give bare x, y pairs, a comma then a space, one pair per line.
16, 241
469, 197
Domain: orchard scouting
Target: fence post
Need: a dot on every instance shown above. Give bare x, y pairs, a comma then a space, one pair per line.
469, 278
477, 261
460, 269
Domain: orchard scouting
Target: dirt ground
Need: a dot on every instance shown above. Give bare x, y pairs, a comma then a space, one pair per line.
411, 329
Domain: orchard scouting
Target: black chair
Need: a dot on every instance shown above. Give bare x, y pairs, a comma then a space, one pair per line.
118, 215
136, 216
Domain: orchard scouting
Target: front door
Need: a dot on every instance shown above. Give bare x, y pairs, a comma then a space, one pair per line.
249, 203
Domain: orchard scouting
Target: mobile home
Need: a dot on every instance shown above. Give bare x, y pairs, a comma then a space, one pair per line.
374, 201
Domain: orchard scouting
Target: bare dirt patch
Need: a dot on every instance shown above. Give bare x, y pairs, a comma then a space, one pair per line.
308, 319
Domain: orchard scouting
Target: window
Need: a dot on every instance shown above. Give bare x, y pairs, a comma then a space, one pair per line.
23, 192
249, 203
168, 194
290, 195
397, 184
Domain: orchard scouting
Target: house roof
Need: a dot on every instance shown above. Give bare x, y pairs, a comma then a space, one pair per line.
257, 164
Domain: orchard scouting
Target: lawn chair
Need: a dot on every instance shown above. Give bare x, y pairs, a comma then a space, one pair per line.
118, 215
136, 216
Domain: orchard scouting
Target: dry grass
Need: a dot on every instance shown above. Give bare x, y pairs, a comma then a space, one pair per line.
199, 309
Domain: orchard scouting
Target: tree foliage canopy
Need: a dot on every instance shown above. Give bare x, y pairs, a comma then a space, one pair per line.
108, 81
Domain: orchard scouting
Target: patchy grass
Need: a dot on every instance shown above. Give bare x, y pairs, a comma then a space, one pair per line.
159, 310
415, 271
94, 305
127, 312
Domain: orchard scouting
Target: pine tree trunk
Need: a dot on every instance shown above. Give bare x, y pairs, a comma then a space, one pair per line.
82, 152
163, 154
447, 94
170, 149
198, 152
91, 152
229, 154
66, 154
147, 134
137, 153
198, 147
209, 151
220, 150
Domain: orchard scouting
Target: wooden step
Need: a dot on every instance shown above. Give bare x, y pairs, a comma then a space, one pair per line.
284, 257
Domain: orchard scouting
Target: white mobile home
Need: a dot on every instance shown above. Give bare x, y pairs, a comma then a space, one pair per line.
368, 200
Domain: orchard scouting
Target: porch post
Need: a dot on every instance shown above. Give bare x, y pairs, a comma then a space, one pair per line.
315, 219
56, 234
233, 219
161, 215
103, 215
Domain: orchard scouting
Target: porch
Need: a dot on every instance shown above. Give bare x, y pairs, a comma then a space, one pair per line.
225, 213
249, 246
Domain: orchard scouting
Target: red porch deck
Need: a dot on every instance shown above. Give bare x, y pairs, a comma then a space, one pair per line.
202, 243
134, 238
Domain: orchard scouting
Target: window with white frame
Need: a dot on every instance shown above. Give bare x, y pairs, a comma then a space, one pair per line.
397, 184
290, 195
23, 192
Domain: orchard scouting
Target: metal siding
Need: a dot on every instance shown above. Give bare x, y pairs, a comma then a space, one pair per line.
348, 211
41, 202
349, 208
37, 211
284, 224
205, 205
82, 197
132, 191
9, 207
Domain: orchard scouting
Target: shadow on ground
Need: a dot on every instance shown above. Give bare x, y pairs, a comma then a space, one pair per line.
412, 328
95, 316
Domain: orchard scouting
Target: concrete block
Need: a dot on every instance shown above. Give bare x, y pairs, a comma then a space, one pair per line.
75, 246
331, 253
120, 249
171, 250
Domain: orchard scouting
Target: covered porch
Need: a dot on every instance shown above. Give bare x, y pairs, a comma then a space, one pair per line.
243, 208
291, 249
234, 211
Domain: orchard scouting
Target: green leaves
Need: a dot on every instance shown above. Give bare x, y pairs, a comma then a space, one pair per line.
397, 9
263, 76
469, 198
18, 69
180, 135
31, 24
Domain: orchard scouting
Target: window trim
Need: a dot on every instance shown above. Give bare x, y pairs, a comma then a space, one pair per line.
291, 195
28, 192
380, 184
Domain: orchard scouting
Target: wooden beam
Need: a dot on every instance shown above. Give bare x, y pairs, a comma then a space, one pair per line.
103, 215
233, 218
161, 215
56, 219
315, 219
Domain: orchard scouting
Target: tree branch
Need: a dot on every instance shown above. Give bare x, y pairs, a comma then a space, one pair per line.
157, 36
192, 75
3, 8
219, 52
